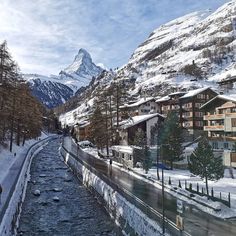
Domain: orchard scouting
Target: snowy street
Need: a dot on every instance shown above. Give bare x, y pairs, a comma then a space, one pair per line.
196, 221
64, 206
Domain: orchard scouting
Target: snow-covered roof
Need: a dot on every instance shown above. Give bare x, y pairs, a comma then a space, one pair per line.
194, 92
177, 93
163, 99
137, 119
123, 148
231, 97
138, 103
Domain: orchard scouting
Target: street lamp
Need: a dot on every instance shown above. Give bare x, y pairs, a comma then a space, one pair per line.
162, 187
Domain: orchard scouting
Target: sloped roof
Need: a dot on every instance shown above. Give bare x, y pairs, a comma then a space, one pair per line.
138, 103
194, 92
132, 121
226, 98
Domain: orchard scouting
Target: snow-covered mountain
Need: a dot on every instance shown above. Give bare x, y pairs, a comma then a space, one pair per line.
80, 72
189, 52
50, 92
192, 51
55, 90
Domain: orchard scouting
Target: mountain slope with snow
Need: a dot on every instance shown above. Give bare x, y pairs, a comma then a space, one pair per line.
80, 72
55, 90
192, 51
186, 52
50, 92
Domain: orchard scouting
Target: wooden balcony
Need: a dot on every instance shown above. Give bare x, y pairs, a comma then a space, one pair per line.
219, 116
214, 117
214, 128
222, 138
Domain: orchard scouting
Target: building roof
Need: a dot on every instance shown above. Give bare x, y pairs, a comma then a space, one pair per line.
226, 98
138, 103
123, 148
194, 92
132, 121
187, 94
163, 99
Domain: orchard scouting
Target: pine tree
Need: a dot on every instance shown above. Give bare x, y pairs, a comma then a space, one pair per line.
142, 151
171, 139
204, 164
20, 112
98, 128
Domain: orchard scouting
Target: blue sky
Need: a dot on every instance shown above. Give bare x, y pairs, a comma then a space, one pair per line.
45, 35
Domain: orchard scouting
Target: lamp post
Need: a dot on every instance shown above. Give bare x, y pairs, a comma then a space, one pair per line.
162, 188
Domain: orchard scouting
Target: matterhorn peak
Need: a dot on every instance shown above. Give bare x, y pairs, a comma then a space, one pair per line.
81, 71
82, 55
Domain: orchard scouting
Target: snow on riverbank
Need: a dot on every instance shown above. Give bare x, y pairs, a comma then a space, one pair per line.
7, 158
224, 185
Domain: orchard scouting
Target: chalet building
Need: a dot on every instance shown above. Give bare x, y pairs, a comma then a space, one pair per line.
220, 125
227, 84
187, 106
141, 107
124, 155
148, 123
82, 130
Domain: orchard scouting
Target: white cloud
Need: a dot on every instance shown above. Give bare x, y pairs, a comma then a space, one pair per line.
45, 35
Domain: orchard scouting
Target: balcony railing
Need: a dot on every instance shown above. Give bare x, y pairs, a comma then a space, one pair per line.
214, 127
222, 138
214, 117
219, 116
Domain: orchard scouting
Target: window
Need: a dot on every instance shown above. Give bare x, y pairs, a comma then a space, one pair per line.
226, 145
215, 145
233, 122
130, 157
123, 155
201, 96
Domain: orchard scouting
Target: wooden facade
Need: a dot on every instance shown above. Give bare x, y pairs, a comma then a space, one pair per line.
187, 106
220, 126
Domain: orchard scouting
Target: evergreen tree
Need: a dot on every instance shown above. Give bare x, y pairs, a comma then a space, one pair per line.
204, 164
171, 139
98, 128
142, 151
20, 112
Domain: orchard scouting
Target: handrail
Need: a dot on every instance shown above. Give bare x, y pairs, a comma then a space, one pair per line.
126, 194
13, 186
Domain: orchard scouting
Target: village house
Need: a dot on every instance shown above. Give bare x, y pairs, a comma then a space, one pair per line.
187, 106
141, 107
148, 123
220, 125
82, 130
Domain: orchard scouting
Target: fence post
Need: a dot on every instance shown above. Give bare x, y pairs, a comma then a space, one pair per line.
169, 180
180, 184
190, 186
197, 188
229, 200
185, 182
202, 191
220, 195
212, 192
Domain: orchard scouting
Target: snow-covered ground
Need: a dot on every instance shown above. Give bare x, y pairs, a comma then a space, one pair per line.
7, 158
224, 185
